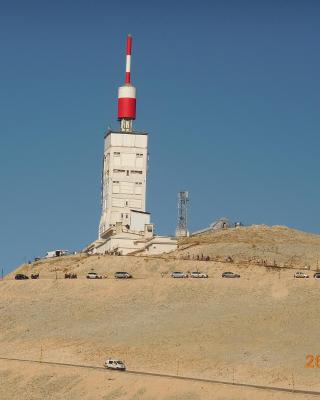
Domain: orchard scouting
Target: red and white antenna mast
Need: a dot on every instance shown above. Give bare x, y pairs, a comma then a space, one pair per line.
127, 95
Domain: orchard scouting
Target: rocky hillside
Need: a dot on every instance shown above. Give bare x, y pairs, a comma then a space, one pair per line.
252, 246
257, 244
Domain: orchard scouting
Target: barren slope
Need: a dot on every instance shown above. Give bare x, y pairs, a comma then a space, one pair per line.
21, 381
257, 329
285, 246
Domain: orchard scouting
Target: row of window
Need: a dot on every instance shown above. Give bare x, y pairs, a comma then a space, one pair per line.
137, 183
120, 171
117, 154
133, 203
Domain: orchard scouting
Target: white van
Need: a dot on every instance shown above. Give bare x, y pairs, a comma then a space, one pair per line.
56, 253
115, 364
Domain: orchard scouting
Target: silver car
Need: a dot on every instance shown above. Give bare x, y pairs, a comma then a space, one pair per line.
93, 275
198, 274
230, 275
179, 275
122, 275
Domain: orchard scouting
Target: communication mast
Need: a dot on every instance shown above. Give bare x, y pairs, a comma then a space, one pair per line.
182, 227
127, 95
125, 158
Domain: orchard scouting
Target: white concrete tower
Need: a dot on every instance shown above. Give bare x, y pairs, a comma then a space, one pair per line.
124, 175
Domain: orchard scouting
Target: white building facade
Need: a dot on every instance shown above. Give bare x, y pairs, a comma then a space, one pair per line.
124, 180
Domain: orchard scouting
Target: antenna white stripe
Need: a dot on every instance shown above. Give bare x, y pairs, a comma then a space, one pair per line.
128, 63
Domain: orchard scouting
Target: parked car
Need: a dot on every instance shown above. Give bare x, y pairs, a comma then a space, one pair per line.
35, 276
93, 275
70, 275
179, 275
122, 275
115, 364
230, 275
198, 275
301, 275
20, 277
37, 259
316, 275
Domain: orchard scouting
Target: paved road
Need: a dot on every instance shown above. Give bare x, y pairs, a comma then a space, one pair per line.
186, 378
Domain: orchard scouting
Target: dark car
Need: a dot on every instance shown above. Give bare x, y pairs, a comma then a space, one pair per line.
316, 275
230, 275
20, 277
70, 275
122, 275
34, 276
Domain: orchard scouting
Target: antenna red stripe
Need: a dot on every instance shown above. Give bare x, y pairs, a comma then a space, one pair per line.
128, 80
126, 108
129, 44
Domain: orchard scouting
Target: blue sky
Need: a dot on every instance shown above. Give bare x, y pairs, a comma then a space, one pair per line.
228, 90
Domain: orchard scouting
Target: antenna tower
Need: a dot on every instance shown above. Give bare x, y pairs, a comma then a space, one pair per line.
182, 229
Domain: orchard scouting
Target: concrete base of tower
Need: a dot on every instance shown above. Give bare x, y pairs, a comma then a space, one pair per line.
124, 243
180, 233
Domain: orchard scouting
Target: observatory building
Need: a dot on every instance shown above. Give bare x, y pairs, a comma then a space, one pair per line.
125, 225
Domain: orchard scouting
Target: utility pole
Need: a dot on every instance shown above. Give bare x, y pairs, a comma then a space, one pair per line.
292, 382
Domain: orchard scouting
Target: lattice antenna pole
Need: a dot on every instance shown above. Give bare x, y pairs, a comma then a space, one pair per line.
182, 226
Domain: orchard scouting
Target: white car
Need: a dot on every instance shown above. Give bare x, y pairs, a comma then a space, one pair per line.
115, 364
93, 275
179, 275
198, 275
301, 275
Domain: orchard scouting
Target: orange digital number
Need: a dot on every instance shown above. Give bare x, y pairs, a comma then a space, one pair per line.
310, 360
